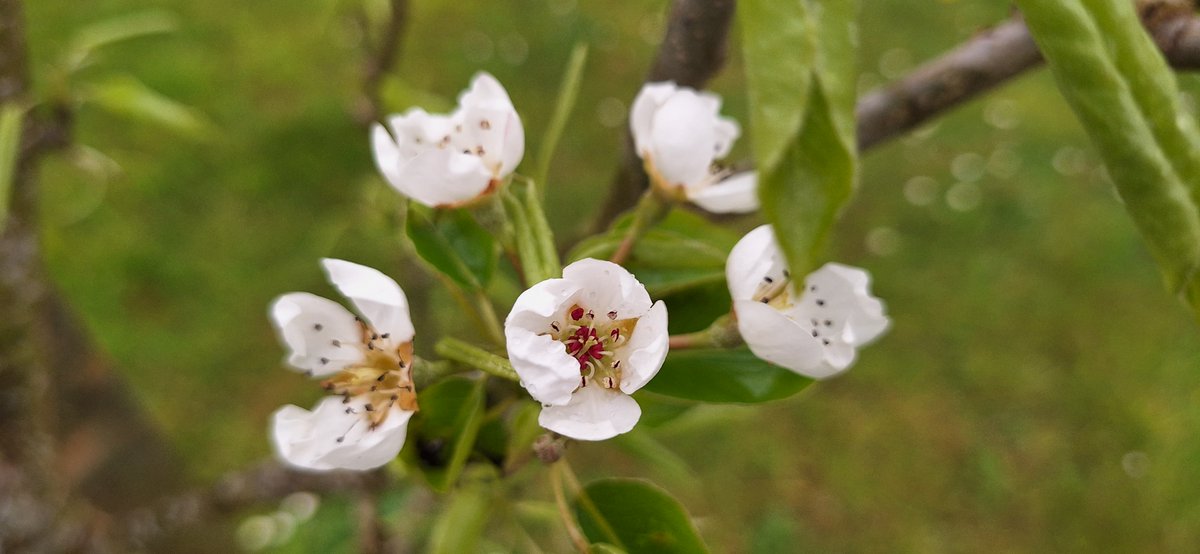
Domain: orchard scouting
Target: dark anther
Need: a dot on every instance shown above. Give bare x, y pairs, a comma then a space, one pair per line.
787, 273
337, 343
369, 407
386, 335
765, 300
820, 302
825, 342
815, 333
324, 361
828, 323
768, 279
341, 439
554, 325
374, 336
612, 314
381, 377
318, 326
374, 388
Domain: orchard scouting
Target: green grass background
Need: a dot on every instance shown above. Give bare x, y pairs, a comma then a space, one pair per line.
1039, 390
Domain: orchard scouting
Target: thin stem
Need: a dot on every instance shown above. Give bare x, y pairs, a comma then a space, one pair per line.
723, 333
564, 511
588, 506
478, 358
650, 210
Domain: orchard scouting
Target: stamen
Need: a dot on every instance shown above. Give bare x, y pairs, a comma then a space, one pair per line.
485, 124
577, 314
318, 326
612, 315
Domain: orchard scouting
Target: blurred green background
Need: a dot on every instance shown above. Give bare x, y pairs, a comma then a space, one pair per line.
1039, 390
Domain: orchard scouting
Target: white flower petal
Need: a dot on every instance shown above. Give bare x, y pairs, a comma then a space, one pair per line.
736, 194
443, 177
594, 413
646, 350
377, 297
545, 368
605, 286
754, 257
319, 334
641, 115
505, 144
684, 138
727, 132
775, 338
386, 153
839, 297
485, 92
329, 437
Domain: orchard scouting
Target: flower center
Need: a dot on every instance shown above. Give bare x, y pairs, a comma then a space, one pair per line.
774, 291
382, 379
592, 340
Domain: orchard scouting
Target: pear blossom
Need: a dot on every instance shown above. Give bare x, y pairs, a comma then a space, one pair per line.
583, 343
678, 133
815, 330
449, 160
367, 366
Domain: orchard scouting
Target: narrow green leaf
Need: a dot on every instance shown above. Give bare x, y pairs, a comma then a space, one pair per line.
644, 517
568, 92
662, 460
780, 52
126, 95
95, 36
442, 434
724, 376
540, 228
1126, 97
533, 240
605, 548
454, 244
11, 117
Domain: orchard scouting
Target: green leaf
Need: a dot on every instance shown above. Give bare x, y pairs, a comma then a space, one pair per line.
1126, 97
801, 77
454, 244
568, 92
523, 430
605, 548
644, 518
723, 376
780, 51
683, 252
11, 117
127, 96
462, 521
95, 36
442, 434
803, 195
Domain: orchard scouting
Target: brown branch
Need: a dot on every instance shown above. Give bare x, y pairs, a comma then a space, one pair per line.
262, 484
987, 60
382, 57
692, 52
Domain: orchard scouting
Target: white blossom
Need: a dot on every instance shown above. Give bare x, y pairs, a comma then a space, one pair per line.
678, 132
583, 343
367, 365
815, 330
449, 160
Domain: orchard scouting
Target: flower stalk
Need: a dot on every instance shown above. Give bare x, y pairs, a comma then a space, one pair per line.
456, 350
650, 210
723, 333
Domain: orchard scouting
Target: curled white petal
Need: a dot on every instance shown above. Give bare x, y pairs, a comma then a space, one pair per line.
376, 296
778, 339
641, 115
318, 333
593, 414
334, 435
646, 350
603, 284
684, 138
736, 194
814, 330
441, 160
753, 258
545, 368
